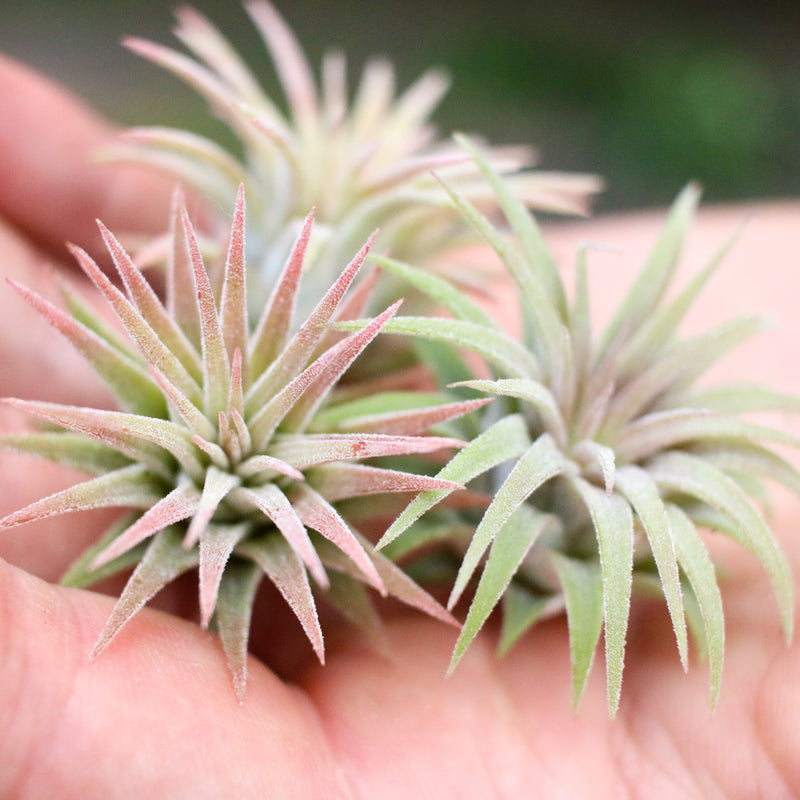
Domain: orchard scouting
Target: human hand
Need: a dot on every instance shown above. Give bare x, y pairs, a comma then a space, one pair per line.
155, 715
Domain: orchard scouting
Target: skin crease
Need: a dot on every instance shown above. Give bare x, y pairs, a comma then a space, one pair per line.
155, 715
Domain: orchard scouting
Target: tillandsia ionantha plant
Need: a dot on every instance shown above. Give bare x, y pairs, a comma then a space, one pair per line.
602, 457
222, 450
361, 167
245, 446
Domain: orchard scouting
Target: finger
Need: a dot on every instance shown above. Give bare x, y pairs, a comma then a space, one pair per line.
50, 187
154, 716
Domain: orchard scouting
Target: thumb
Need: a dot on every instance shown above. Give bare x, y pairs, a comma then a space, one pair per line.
153, 716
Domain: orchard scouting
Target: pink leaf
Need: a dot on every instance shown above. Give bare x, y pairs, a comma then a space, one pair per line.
152, 348
216, 370
149, 306
129, 382
164, 560
190, 71
131, 487
343, 480
272, 331
315, 512
179, 504
236, 390
285, 569
267, 419
292, 67
217, 485
234, 288
295, 355
273, 503
182, 305
303, 451
414, 421
346, 353
131, 434
187, 410
234, 609
261, 463
216, 545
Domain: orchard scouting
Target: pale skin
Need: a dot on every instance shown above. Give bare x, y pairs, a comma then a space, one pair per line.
155, 715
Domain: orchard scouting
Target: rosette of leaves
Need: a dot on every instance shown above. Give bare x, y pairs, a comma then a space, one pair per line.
220, 450
362, 165
601, 455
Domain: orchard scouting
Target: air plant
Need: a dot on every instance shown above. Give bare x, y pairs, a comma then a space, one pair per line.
218, 450
362, 166
602, 456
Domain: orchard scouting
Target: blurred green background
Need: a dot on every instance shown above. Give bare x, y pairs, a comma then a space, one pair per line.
648, 95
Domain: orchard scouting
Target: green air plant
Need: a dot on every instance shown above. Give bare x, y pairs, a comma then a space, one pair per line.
602, 457
218, 450
361, 165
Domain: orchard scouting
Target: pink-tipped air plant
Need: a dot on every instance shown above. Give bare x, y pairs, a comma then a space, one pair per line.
221, 451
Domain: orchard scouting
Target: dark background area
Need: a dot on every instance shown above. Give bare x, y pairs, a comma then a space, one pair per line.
649, 95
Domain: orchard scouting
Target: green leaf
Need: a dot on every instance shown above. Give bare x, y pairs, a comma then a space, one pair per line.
131, 487
737, 398
162, 563
580, 317
538, 311
694, 620
642, 493
495, 347
695, 356
688, 474
522, 609
506, 439
751, 459
445, 364
676, 368
233, 612
532, 392
69, 449
541, 462
652, 281
667, 429
439, 290
509, 548
538, 258
613, 524
283, 566
660, 327
699, 570
582, 582
79, 574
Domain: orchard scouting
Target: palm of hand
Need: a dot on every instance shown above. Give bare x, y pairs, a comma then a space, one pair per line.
156, 715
